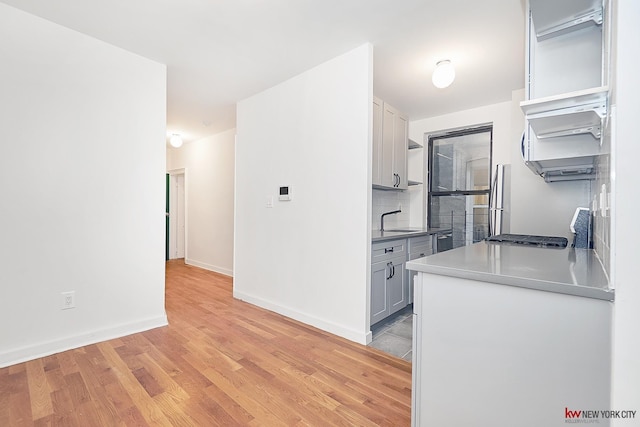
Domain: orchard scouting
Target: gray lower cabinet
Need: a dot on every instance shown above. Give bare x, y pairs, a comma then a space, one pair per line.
398, 297
379, 298
388, 278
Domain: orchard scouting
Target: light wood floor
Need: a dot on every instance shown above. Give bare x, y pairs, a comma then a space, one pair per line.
219, 362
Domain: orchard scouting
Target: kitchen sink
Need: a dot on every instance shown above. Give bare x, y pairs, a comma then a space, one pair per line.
401, 230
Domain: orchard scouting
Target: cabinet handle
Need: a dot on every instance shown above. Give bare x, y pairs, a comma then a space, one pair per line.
387, 250
393, 269
398, 180
389, 265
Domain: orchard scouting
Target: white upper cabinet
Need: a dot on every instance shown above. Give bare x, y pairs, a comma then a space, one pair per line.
390, 144
566, 87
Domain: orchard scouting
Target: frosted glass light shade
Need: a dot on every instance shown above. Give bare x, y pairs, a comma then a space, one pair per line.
176, 141
444, 74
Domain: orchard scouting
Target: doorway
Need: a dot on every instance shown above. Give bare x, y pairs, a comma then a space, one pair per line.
177, 214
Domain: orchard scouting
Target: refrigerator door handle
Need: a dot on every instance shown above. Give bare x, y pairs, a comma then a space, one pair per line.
493, 203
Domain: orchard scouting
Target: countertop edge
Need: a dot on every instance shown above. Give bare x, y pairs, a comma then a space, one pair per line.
405, 235
521, 282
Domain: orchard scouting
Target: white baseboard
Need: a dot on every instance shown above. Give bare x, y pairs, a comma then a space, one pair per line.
35, 351
215, 269
333, 328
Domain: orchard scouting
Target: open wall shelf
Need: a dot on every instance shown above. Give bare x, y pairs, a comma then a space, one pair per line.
579, 112
553, 18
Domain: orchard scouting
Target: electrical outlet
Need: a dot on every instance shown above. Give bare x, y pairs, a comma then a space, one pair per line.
68, 300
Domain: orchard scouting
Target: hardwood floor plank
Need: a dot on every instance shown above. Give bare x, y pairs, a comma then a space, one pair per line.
63, 408
55, 379
247, 401
4, 401
221, 406
133, 417
164, 380
15, 383
20, 410
67, 362
39, 393
77, 389
90, 414
220, 362
147, 381
173, 410
148, 408
16, 369
50, 363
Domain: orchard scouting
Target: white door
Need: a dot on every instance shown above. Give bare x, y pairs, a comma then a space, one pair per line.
176, 217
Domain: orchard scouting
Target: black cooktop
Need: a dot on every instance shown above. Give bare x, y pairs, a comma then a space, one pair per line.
529, 240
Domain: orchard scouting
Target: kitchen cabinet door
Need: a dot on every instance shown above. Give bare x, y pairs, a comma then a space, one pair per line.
390, 145
400, 147
396, 285
388, 291
388, 178
379, 297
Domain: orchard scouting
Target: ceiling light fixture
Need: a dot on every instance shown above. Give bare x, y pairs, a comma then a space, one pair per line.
176, 140
444, 74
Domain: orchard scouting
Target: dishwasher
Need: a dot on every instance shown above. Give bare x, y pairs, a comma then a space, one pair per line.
444, 242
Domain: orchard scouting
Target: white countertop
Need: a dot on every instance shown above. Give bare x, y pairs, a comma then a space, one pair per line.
568, 271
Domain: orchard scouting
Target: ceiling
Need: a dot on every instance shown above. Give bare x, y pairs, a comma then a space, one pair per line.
219, 52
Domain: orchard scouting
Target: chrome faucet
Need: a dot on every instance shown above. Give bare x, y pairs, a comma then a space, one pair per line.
385, 214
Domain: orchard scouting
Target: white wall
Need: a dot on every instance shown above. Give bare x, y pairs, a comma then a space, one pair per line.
209, 173
626, 270
308, 258
81, 187
498, 114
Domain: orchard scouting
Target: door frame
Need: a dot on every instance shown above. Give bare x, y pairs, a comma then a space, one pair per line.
172, 242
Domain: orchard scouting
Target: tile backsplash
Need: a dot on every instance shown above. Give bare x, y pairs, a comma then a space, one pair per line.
601, 197
386, 201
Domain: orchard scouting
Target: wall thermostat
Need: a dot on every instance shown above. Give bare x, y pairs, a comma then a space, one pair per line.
285, 193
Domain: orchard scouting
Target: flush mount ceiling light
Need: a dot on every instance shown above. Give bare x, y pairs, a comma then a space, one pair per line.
444, 74
176, 140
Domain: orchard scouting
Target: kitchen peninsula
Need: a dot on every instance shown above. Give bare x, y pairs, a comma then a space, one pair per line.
498, 326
